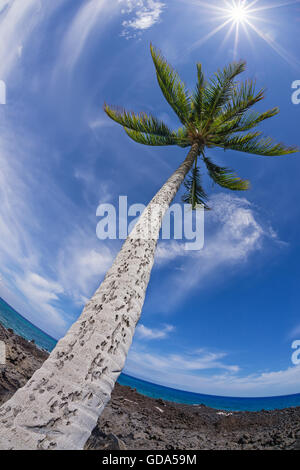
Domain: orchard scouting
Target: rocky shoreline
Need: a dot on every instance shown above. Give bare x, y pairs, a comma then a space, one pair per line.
132, 421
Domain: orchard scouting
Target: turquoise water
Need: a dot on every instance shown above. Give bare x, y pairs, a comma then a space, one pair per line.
11, 319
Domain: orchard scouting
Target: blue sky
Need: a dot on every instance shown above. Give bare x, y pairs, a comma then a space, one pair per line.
217, 321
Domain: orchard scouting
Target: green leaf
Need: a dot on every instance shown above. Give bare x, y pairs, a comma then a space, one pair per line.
243, 123
195, 193
182, 137
212, 117
197, 98
225, 128
253, 119
220, 89
140, 122
243, 98
226, 142
174, 90
258, 146
150, 139
225, 177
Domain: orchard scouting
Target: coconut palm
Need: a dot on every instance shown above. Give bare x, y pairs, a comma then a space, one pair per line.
59, 406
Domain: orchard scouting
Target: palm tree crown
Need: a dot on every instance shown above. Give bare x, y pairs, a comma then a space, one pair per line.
216, 114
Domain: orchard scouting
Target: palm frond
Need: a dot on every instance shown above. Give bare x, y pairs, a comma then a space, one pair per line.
182, 137
197, 98
224, 140
258, 145
253, 119
195, 193
220, 89
225, 177
243, 98
139, 122
151, 139
226, 128
174, 90
243, 123
216, 115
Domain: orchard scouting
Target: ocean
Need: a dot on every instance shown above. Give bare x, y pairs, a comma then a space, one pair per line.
12, 319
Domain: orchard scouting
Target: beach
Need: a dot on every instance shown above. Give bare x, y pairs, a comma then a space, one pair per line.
132, 421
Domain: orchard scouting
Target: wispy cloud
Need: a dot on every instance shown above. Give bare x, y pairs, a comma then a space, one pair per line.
81, 262
145, 14
15, 24
77, 260
144, 332
197, 372
199, 360
232, 234
91, 14
41, 284
41, 293
17, 21
94, 14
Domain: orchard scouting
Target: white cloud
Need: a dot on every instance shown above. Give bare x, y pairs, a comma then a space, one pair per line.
92, 14
232, 234
73, 269
41, 292
177, 363
147, 333
168, 251
14, 210
15, 23
17, 20
21, 257
146, 14
81, 265
187, 372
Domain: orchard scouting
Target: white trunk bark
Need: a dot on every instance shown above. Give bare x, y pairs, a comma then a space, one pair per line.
60, 405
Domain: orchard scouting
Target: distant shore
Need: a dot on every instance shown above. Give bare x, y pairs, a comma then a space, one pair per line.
133, 421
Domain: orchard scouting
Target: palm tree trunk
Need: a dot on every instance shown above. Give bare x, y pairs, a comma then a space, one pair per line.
60, 405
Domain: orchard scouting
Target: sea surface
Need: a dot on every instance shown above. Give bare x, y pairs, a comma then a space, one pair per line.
12, 319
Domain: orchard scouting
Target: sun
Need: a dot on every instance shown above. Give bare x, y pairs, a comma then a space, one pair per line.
244, 18
238, 13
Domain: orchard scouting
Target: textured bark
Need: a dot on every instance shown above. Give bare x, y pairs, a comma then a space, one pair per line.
60, 405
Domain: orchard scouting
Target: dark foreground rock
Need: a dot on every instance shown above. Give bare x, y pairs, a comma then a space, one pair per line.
22, 360
133, 421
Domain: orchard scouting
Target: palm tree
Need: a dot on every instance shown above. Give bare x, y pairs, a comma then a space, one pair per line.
59, 406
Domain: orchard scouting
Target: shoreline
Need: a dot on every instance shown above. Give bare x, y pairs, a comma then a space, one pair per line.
218, 402
132, 421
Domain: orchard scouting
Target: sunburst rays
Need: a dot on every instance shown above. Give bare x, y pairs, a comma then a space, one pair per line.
244, 18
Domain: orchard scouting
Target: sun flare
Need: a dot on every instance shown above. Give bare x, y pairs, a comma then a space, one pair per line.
238, 13
245, 19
